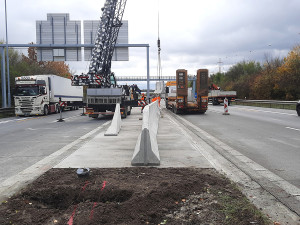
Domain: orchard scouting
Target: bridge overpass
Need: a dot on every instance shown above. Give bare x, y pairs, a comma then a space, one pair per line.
151, 78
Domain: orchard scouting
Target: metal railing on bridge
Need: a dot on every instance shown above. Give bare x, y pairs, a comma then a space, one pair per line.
268, 103
151, 78
144, 78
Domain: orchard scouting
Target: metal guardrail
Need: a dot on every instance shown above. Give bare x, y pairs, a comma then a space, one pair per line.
268, 103
7, 110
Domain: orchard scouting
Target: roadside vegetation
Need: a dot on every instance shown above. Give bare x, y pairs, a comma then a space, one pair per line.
275, 79
21, 65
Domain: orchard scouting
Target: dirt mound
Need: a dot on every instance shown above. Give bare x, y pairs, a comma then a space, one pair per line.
130, 196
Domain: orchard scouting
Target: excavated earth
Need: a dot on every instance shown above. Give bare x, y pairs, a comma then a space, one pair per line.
132, 196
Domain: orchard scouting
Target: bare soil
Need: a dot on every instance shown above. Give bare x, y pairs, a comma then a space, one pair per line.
132, 196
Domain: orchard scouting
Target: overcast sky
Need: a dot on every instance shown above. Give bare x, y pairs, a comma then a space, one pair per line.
194, 33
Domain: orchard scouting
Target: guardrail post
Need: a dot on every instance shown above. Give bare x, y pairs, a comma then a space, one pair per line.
3, 78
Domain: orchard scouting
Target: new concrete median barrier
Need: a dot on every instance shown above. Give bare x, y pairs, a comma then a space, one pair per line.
146, 149
115, 125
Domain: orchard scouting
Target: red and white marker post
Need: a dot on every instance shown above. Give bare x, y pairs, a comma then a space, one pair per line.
226, 107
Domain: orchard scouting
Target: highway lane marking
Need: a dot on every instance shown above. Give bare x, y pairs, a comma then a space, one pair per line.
291, 128
27, 119
14, 183
14, 120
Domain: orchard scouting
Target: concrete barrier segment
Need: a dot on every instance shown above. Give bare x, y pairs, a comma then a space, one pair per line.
115, 125
146, 150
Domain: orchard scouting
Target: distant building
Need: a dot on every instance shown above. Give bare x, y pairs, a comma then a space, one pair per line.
90, 32
59, 29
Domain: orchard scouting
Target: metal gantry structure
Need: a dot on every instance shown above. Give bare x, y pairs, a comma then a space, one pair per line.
100, 75
2, 56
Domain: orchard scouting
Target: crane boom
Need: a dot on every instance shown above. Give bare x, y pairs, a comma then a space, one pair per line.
100, 75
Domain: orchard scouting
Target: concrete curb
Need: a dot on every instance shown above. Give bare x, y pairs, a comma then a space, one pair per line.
146, 150
115, 125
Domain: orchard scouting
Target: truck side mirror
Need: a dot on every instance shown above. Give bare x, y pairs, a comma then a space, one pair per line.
167, 90
43, 90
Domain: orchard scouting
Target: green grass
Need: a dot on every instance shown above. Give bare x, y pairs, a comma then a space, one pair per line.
235, 207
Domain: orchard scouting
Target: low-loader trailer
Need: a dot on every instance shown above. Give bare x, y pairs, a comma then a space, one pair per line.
181, 98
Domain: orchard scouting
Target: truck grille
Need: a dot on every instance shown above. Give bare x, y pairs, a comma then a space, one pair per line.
26, 102
26, 105
26, 110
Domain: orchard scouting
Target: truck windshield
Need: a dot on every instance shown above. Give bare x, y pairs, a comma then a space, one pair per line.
27, 91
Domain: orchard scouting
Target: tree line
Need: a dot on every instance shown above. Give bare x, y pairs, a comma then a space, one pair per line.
21, 65
275, 79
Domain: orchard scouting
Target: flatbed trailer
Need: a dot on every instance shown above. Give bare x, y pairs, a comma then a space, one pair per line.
218, 96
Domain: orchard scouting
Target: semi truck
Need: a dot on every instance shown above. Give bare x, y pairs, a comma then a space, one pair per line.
181, 98
43, 94
217, 96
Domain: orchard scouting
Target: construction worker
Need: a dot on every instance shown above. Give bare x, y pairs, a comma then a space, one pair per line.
143, 101
157, 98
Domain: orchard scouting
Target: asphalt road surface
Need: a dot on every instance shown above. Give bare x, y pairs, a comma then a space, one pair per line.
27, 140
270, 137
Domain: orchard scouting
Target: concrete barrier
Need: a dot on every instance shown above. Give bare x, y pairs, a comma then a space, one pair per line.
115, 125
146, 149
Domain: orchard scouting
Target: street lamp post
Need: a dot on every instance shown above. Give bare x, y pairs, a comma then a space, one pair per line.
7, 62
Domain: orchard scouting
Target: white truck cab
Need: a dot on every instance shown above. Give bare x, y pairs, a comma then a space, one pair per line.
31, 95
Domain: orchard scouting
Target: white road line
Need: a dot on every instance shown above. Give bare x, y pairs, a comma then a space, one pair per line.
291, 128
7, 121
14, 183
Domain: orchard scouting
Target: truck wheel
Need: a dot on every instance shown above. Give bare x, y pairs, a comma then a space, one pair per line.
298, 110
94, 116
129, 111
46, 110
175, 110
214, 101
125, 112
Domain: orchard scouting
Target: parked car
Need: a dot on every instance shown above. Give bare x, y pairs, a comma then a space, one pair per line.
298, 108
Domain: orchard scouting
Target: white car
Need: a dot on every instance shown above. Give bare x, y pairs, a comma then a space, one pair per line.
298, 108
